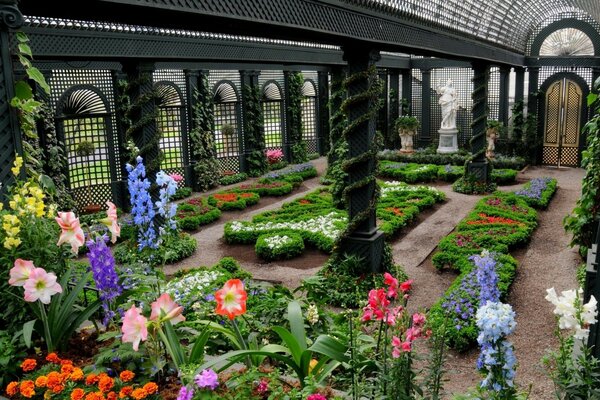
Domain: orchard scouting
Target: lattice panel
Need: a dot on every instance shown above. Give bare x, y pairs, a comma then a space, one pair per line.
309, 123
7, 145
569, 156
550, 155
461, 79
572, 114
557, 17
273, 122
417, 97
546, 72
61, 80
310, 75
233, 76
553, 107
228, 144
494, 94
229, 164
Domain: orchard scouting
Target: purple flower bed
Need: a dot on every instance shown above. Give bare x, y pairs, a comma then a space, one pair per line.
305, 170
538, 192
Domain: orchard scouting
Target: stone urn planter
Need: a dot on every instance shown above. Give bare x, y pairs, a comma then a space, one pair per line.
407, 129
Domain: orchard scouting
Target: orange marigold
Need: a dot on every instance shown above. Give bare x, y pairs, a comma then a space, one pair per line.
76, 375
151, 387
95, 396
11, 389
106, 383
77, 394
29, 364
126, 375
66, 362
53, 358
67, 368
58, 388
54, 379
27, 389
41, 381
111, 396
125, 391
139, 394
91, 379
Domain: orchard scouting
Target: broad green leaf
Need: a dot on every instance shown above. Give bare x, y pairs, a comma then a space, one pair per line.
23, 90
591, 99
38, 77
21, 37
291, 342
297, 323
25, 49
27, 332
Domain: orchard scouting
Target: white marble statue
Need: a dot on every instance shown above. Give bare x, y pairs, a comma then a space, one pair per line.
449, 103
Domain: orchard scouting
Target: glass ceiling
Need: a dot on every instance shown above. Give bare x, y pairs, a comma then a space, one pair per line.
507, 23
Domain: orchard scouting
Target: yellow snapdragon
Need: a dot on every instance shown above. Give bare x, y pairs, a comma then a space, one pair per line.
12, 227
17, 165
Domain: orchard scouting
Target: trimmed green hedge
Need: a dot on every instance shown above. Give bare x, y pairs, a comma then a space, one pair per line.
232, 200
195, 213
280, 246
409, 173
538, 192
272, 188
431, 157
231, 179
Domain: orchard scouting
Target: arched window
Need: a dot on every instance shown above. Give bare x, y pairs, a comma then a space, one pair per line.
171, 123
567, 42
227, 129
84, 126
309, 116
272, 115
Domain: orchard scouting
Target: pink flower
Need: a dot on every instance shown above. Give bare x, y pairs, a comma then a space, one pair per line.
20, 272
367, 314
111, 221
176, 177
166, 309
412, 334
392, 315
231, 300
418, 319
406, 346
405, 286
378, 303
71, 230
41, 286
316, 396
134, 327
263, 387
392, 285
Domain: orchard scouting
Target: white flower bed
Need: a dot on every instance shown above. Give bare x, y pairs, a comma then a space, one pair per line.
394, 186
187, 289
278, 241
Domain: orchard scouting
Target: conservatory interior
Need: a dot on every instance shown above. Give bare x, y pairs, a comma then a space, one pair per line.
315, 199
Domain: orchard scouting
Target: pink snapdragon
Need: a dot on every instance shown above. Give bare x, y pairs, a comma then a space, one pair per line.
176, 177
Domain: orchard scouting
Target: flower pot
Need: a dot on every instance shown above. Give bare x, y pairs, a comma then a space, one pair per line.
92, 208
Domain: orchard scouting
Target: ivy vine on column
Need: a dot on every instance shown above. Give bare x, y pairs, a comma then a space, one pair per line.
339, 147
254, 132
299, 148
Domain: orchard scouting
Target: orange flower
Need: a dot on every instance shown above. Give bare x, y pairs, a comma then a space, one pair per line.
54, 379
125, 391
77, 394
53, 358
139, 394
91, 379
27, 389
11, 389
111, 396
126, 375
106, 383
151, 387
95, 396
231, 300
58, 388
76, 375
41, 381
67, 368
29, 364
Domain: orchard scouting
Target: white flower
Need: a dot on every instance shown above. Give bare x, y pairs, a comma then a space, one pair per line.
312, 314
572, 313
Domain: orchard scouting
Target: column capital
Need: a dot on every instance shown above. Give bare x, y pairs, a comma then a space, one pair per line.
10, 15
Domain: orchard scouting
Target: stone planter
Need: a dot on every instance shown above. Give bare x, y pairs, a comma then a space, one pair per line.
406, 138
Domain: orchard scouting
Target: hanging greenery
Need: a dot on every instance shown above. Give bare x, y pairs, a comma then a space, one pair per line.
392, 139
531, 140
516, 144
254, 132
299, 148
204, 154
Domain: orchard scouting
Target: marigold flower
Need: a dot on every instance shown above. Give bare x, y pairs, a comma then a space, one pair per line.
41, 381
27, 389
125, 391
139, 394
111, 396
231, 299
91, 379
54, 379
77, 394
53, 358
67, 368
58, 388
76, 375
95, 396
12, 388
151, 387
28, 365
126, 375
105, 384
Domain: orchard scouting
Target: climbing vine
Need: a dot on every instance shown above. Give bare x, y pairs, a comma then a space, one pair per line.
586, 212
299, 148
339, 147
531, 140
206, 167
392, 140
254, 132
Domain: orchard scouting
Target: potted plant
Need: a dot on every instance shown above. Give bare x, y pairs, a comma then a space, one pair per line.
407, 126
492, 132
86, 149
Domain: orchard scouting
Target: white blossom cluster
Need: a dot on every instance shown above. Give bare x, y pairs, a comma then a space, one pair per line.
327, 225
572, 313
395, 186
185, 290
277, 241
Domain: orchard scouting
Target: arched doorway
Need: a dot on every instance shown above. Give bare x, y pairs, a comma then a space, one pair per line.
563, 114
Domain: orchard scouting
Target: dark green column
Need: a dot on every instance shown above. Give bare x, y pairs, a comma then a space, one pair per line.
249, 79
394, 107
192, 80
383, 117
425, 137
504, 88
323, 112
407, 79
478, 166
532, 101
519, 84
363, 239
337, 116
289, 118
10, 135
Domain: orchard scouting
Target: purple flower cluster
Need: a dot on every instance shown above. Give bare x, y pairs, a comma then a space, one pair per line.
487, 278
534, 188
462, 302
207, 379
142, 209
168, 187
102, 264
295, 169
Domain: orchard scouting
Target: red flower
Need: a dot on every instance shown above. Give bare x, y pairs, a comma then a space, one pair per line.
405, 286
231, 300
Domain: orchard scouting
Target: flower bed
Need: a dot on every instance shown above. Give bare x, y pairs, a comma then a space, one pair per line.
306, 171
538, 192
266, 188
194, 213
280, 246
226, 201
431, 157
231, 179
408, 172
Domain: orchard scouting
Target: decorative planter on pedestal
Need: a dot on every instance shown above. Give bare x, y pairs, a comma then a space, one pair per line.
406, 138
448, 141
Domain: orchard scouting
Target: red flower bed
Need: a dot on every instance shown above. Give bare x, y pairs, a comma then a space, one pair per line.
487, 219
225, 197
395, 211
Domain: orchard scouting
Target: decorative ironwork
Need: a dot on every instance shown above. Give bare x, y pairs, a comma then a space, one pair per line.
309, 116
567, 42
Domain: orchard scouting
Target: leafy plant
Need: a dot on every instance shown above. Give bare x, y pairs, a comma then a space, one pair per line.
406, 122
231, 179
299, 148
255, 132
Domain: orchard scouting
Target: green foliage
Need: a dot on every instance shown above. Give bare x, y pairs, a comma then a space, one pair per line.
85, 148
409, 173
175, 247
206, 166
195, 213
470, 184
544, 197
406, 122
531, 140
429, 156
11, 349
231, 179
299, 147
585, 214
338, 175
266, 187
280, 246
182, 193
233, 200
254, 131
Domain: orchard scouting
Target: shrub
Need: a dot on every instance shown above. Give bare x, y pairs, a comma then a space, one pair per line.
431, 157
182, 193
194, 213
504, 176
174, 248
226, 201
273, 188
280, 246
538, 192
231, 179
470, 185
408, 172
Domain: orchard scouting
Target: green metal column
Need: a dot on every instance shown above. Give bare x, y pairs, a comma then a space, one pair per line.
383, 116
323, 112
425, 137
192, 78
478, 166
519, 83
504, 89
289, 118
407, 79
394, 107
363, 239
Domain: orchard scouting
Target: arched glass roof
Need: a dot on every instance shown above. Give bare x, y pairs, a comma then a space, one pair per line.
508, 23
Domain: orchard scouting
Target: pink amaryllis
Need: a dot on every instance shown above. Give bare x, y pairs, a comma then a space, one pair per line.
166, 309
71, 230
134, 327
111, 221
20, 272
231, 299
41, 285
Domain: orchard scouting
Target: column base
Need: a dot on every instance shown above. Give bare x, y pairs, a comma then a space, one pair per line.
370, 249
480, 170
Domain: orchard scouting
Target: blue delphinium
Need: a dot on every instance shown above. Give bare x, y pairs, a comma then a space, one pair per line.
462, 302
142, 209
535, 188
168, 187
102, 264
486, 277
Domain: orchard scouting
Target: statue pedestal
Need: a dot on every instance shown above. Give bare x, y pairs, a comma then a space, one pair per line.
448, 141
